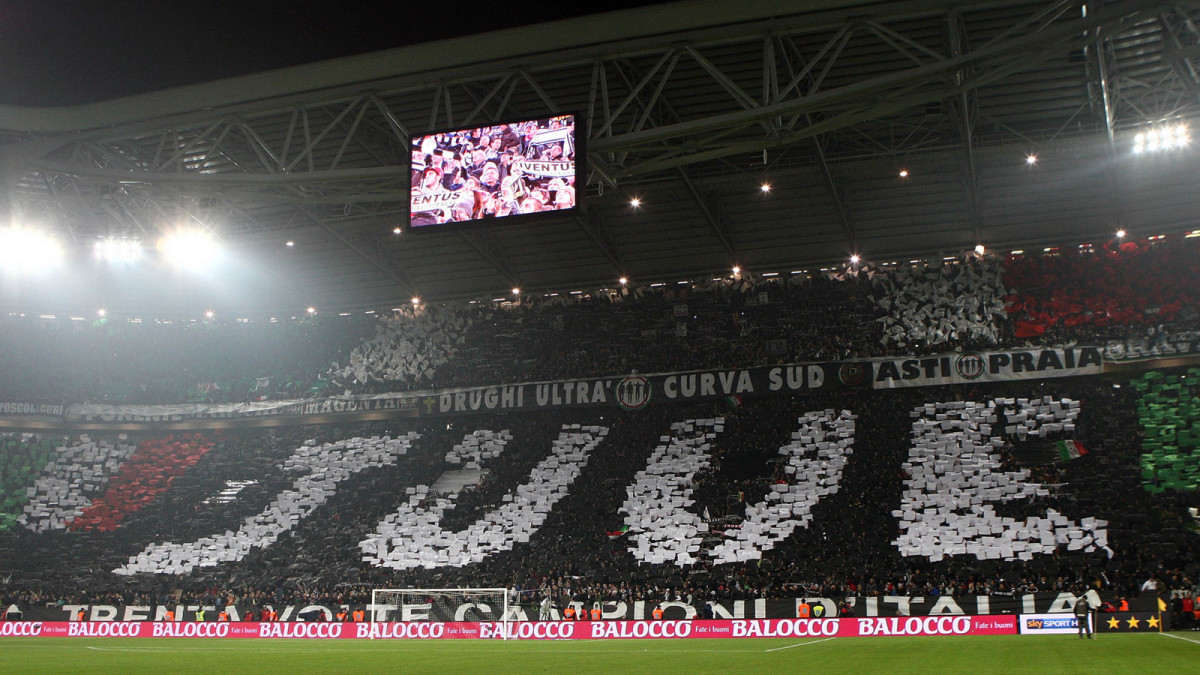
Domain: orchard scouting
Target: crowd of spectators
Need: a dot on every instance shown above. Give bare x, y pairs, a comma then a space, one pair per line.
972, 302
149, 362
580, 552
1079, 294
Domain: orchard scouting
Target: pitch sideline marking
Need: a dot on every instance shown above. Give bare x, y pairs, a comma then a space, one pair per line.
799, 644
1195, 642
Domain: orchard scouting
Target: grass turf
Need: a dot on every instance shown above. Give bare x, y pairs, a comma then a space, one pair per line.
1129, 653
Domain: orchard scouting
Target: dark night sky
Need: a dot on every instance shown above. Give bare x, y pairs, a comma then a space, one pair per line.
66, 52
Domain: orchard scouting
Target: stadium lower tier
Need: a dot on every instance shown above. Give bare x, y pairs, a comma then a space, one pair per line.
988, 489
1050, 604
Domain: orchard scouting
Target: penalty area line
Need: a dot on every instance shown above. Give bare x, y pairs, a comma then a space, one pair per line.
798, 644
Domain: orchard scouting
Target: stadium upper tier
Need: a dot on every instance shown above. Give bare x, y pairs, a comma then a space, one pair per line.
1117, 289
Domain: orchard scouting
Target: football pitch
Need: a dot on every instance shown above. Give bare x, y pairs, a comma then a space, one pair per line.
1128, 653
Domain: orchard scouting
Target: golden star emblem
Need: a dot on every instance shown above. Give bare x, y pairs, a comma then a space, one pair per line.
1114, 623
1133, 622
1152, 622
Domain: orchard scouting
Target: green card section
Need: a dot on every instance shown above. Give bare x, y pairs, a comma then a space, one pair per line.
1169, 409
22, 458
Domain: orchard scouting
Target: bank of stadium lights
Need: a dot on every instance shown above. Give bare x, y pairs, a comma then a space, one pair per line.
24, 250
118, 250
1166, 137
191, 249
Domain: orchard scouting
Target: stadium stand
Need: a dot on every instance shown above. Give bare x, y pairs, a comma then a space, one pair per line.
1168, 412
22, 457
1079, 294
951, 304
148, 472
985, 488
1144, 288
143, 361
328, 550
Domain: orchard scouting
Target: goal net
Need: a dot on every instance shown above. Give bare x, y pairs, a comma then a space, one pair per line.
439, 604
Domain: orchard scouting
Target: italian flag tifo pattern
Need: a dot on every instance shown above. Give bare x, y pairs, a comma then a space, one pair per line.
150, 471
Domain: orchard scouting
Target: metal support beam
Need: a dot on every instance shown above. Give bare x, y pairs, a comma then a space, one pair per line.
1011, 55
487, 248
714, 221
308, 149
963, 111
836, 194
1182, 45
597, 232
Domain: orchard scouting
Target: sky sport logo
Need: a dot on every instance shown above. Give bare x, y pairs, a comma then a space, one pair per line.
969, 365
633, 393
1048, 624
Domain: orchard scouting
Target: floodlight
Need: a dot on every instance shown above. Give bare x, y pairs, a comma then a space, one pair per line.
904, 173
416, 301
27, 250
635, 202
1161, 138
854, 259
191, 248
208, 314
102, 312
737, 270
516, 290
312, 310
117, 250
979, 249
291, 243
766, 187
1120, 234
623, 280
1031, 159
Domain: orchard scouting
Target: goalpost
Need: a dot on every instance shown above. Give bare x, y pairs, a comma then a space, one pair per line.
439, 604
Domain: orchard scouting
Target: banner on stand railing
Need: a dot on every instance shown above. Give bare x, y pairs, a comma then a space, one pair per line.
526, 630
993, 366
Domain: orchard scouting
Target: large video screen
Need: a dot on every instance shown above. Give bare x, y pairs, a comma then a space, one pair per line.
493, 172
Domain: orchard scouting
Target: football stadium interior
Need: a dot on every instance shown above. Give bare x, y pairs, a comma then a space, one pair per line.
796, 321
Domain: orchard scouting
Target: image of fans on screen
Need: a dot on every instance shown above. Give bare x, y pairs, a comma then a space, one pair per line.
493, 172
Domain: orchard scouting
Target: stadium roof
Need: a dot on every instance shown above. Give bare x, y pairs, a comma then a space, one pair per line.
689, 107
